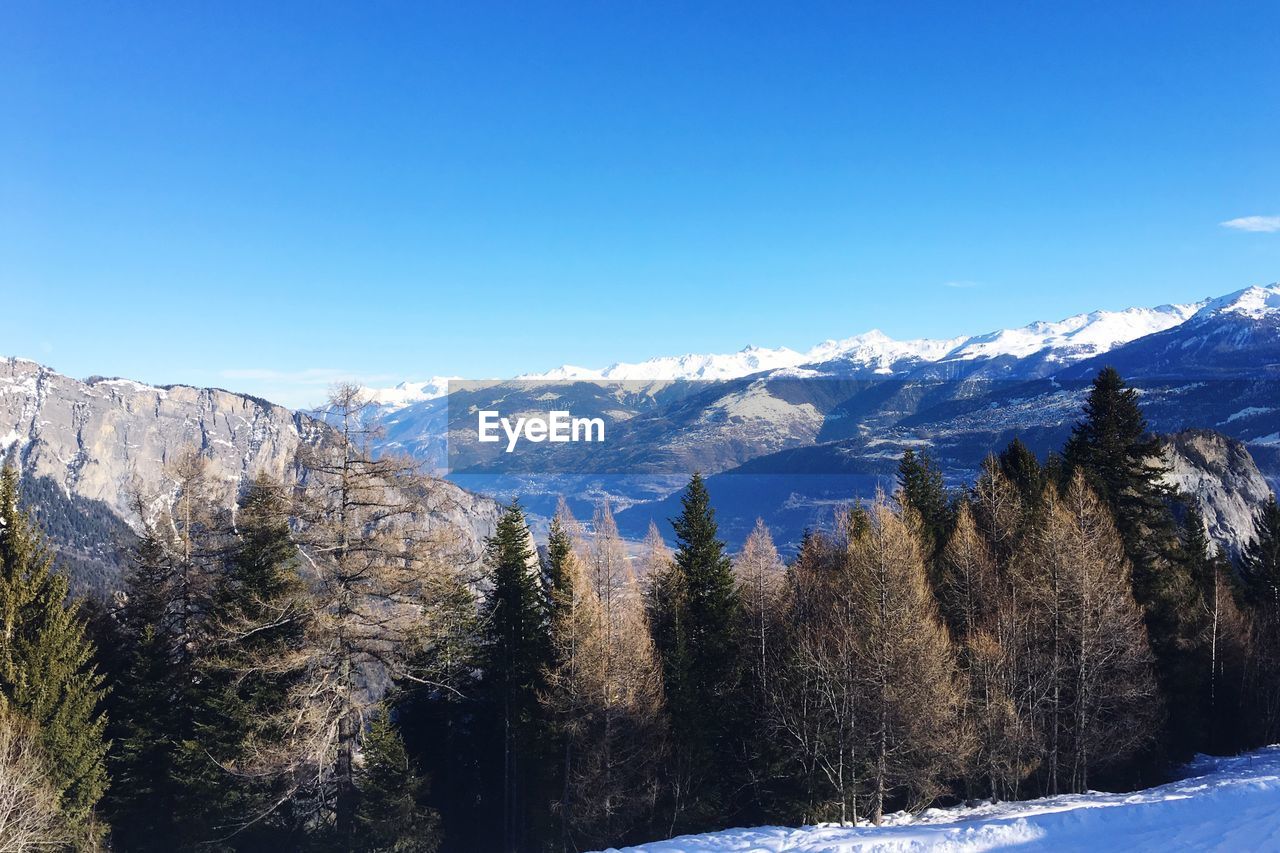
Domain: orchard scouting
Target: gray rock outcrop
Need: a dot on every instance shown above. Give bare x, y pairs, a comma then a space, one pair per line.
1220, 475
100, 442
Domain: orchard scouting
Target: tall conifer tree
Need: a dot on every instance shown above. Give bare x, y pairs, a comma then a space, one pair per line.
1121, 461
391, 817
257, 621
1260, 567
164, 795
1260, 560
921, 488
515, 655
703, 668
46, 669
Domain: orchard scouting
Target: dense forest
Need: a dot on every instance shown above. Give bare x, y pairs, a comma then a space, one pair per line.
316, 665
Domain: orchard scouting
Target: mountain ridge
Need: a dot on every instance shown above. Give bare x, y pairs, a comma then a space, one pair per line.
97, 445
1066, 341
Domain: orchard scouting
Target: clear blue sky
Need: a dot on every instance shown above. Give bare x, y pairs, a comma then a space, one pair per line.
263, 195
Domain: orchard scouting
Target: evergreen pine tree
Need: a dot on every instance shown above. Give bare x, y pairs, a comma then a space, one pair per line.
515, 653
154, 802
1260, 561
257, 621
439, 714
574, 617
46, 671
921, 489
1227, 637
1260, 568
664, 592
1022, 468
703, 670
391, 817
559, 551
1122, 463
165, 783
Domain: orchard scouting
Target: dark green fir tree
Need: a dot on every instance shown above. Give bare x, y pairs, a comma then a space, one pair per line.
1123, 463
703, 671
1260, 561
515, 652
391, 817
559, 552
921, 489
1023, 469
258, 617
147, 806
47, 674
165, 783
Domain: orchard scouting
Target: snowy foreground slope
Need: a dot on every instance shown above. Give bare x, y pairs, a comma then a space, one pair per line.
1226, 804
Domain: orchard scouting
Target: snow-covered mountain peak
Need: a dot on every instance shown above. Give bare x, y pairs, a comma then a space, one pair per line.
876, 350
1065, 341
748, 360
1068, 340
408, 393
1078, 336
1252, 302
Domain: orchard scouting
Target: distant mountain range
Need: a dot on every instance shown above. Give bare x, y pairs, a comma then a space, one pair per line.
699, 405
784, 435
790, 435
1033, 347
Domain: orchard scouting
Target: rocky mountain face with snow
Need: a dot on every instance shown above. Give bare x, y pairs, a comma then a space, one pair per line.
88, 448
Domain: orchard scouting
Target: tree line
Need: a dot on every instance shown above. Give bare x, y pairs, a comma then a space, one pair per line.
319, 667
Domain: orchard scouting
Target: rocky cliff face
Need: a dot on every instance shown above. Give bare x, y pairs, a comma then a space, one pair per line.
1221, 476
95, 444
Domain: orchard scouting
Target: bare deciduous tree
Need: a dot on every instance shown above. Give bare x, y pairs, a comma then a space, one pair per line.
816, 693
606, 689
1102, 695
870, 697
29, 815
914, 692
379, 558
760, 576
981, 607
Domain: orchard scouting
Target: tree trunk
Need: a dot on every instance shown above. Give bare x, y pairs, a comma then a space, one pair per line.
348, 732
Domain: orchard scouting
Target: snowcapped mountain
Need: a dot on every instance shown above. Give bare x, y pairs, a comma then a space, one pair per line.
1255, 303
1049, 345
746, 361
408, 393
1062, 342
1077, 337
827, 412
1230, 336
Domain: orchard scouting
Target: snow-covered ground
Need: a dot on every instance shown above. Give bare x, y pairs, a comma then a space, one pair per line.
1224, 804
